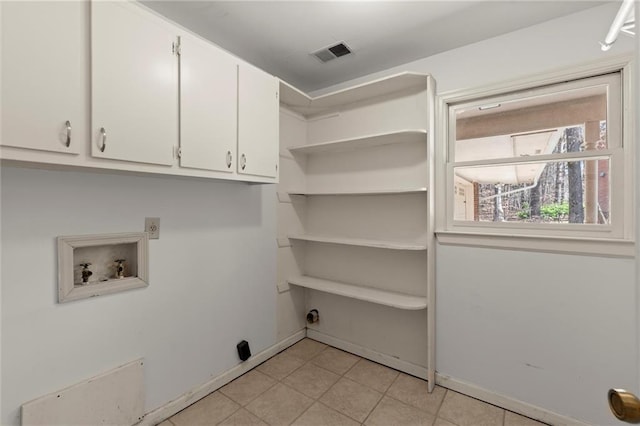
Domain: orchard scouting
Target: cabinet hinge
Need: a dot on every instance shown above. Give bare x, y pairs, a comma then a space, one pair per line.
276, 95
176, 48
179, 152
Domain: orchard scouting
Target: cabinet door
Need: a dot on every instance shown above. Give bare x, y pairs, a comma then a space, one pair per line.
208, 106
257, 122
45, 72
134, 84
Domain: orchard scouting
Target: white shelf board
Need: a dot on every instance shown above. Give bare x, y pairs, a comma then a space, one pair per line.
293, 98
383, 244
381, 297
351, 144
297, 101
391, 191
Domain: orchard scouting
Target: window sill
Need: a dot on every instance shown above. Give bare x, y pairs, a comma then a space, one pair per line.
566, 245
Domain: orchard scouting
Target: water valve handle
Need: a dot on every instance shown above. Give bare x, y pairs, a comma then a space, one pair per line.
120, 268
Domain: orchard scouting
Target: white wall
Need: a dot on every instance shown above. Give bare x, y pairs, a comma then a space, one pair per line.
212, 281
554, 331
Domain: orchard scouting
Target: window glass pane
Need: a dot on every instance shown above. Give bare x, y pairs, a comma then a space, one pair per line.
566, 121
546, 192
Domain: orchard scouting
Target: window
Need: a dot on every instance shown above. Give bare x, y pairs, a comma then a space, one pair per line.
546, 161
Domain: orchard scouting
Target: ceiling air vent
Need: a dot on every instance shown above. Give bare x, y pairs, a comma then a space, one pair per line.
329, 53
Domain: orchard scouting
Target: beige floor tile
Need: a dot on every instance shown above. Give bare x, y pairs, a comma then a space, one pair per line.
413, 391
210, 410
165, 423
247, 387
390, 411
311, 380
374, 375
243, 418
280, 406
443, 422
513, 419
465, 411
351, 398
280, 366
321, 415
306, 349
335, 360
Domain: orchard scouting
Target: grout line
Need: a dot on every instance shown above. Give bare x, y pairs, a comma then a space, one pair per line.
340, 376
446, 391
313, 401
255, 397
227, 418
352, 367
374, 407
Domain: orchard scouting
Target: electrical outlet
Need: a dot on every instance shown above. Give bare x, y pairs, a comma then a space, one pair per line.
152, 226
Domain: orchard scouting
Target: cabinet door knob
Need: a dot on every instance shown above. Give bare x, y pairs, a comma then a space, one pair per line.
68, 125
103, 132
243, 161
229, 159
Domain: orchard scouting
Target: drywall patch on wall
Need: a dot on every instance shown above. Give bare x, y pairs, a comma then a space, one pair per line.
113, 398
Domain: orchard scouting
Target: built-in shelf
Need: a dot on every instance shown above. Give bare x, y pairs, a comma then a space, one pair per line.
383, 244
390, 191
370, 141
373, 295
297, 101
359, 184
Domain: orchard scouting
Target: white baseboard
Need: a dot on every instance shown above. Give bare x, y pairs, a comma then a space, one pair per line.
380, 358
183, 401
506, 402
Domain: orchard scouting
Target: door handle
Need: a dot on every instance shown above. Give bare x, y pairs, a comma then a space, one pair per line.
624, 405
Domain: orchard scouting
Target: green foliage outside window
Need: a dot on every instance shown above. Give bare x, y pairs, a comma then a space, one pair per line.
555, 211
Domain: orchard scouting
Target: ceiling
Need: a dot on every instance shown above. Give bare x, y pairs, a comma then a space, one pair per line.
278, 36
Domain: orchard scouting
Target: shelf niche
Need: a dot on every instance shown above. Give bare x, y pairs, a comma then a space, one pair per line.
117, 262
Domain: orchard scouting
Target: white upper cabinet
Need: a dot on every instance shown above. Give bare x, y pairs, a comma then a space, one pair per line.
258, 119
116, 86
208, 106
134, 81
45, 75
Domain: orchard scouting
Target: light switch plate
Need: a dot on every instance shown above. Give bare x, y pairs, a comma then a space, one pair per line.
152, 227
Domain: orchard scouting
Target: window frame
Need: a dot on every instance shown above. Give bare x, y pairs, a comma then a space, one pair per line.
616, 239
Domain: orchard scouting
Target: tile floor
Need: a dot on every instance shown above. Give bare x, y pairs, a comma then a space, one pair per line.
311, 383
